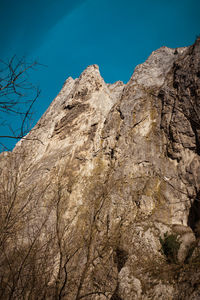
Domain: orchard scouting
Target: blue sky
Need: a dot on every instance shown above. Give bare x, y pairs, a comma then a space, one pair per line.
67, 36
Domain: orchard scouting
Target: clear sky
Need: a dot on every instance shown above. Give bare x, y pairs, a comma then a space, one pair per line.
69, 35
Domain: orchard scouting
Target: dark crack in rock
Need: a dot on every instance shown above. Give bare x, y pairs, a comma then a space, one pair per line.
107, 171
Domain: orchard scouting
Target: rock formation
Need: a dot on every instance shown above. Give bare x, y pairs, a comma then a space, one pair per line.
101, 199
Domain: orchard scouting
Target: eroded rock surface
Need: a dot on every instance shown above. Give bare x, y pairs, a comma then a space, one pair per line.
107, 171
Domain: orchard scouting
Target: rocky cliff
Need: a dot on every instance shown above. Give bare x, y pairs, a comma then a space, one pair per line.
101, 199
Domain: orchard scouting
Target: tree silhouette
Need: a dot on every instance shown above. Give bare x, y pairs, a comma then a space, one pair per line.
17, 96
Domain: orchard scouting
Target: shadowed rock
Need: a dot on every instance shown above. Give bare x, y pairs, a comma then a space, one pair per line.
106, 172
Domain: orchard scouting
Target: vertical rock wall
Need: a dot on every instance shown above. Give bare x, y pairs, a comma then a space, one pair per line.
106, 173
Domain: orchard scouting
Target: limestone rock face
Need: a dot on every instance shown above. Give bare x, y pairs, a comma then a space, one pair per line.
108, 171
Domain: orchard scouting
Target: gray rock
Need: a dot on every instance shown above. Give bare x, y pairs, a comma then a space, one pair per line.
107, 170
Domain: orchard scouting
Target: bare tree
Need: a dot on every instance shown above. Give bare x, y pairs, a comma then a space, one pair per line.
43, 253
17, 96
25, 255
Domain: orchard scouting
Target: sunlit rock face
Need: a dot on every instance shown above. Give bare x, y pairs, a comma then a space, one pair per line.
108, 171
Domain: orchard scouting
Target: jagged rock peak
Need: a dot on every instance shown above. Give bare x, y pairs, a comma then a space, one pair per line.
91, 74
91, 69
153, 72
102, 201
90, 80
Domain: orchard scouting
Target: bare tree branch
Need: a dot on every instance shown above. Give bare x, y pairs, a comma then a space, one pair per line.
17, 97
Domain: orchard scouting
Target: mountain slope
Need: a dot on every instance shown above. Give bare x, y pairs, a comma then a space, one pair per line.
107, 175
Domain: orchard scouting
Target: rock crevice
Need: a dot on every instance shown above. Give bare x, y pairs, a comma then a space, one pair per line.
118, 170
